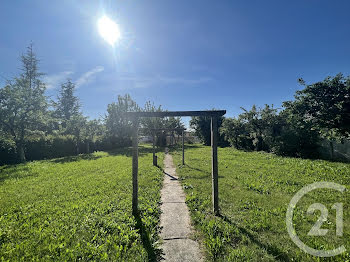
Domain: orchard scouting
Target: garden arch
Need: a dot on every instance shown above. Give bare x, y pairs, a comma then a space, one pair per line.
154, 130
213, 114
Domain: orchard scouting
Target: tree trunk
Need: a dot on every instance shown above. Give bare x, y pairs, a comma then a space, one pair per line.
332, 149
77, 148
87, 147
20, 152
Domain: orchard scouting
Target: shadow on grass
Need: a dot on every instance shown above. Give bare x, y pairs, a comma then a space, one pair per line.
68, 159
270, 249
186, 146
125, 151
154, 254
206, 174
16, 172
198, 169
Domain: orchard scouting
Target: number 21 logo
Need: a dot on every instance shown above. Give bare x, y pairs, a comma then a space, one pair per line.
317, 229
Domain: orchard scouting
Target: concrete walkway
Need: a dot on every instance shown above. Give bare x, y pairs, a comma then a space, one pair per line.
175, 219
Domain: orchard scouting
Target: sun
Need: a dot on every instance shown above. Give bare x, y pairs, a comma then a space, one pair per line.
109, 30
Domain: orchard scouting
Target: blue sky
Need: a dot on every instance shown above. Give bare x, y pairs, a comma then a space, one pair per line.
184, 55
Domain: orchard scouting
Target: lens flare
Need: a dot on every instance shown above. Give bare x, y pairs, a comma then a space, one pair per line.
109, 30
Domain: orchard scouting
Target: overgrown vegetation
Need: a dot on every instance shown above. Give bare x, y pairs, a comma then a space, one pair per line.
79, 208
202, 127
30, 122
33, 127
319, 111
255, 189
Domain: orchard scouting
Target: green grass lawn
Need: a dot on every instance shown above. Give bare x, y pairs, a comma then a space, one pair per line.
254, 191
79, 208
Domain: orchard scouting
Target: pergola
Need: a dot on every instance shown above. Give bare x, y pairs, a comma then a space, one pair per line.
154, 130
213, 114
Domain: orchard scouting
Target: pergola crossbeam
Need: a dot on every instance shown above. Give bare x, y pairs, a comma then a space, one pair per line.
177, 113
213, 114
167, 130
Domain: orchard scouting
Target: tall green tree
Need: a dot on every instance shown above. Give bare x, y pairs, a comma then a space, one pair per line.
326, 104
93, 129
254, 123
76, 127
256, 129
236, 133
23, 104
174, 122
149, 123
263, 126
118, 126
202, 127
298, 137
67, 105
68, 114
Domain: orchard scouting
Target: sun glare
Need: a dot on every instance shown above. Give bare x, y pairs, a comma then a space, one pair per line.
109, 30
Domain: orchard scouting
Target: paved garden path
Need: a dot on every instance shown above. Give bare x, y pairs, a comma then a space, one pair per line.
175, 219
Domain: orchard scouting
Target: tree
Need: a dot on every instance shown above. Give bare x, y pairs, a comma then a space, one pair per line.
174, 122
93, 128
76, 126
326, 105
149, 123
202, 127
236, 133
118, 126
23, 105
67, 112
271, 127
252, 119
67, 105
256, 128
297, 136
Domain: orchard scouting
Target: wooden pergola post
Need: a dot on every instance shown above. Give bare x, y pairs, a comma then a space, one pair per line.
183, 148
154, 150
214, 114
214, 164
135, 164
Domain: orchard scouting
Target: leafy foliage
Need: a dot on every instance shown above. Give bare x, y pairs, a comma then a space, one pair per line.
327, 105
202, 128
67, 105
150, 123
265, 129
23, 105
118, 126
30, 121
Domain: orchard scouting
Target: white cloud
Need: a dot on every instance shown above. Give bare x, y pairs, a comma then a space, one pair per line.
55, 80
88, 76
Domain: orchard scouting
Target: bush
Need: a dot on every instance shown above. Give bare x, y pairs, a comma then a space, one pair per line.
297, 143
202, 128
50, 147
8, 154
53, 146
